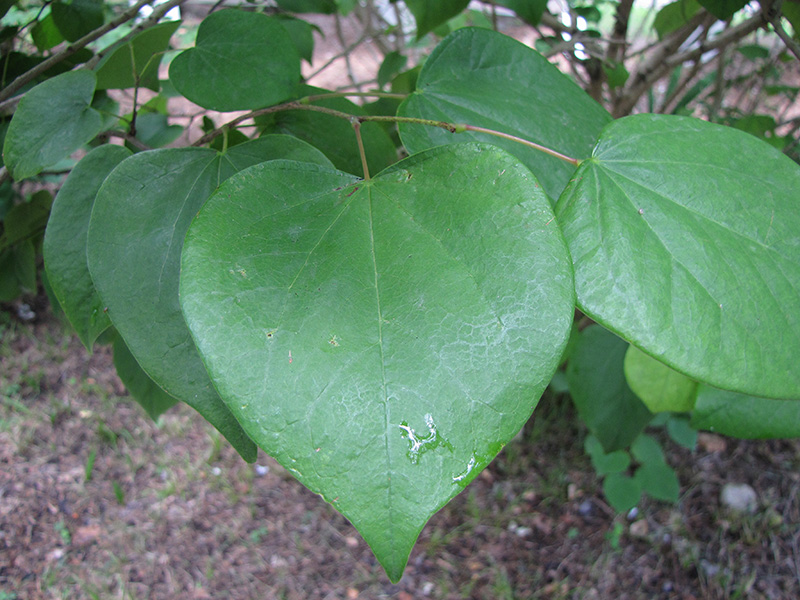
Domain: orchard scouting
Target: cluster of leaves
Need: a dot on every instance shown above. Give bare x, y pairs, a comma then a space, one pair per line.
384, 336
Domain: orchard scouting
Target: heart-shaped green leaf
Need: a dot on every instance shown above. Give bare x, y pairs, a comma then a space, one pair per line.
745, 417
690, 252
373, 336
241, 60
52, 120
483, 78
139, 220
65, 243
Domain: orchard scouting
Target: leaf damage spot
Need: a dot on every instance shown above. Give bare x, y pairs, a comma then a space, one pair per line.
419, 444
334, 341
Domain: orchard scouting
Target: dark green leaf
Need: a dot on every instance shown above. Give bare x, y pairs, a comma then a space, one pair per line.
302, 36
659, 387
659, 481
154, 130
611, 411
745, 417
65, 243
326, 7
622, 492
647, 450
144, 390
753, 51
616, 74
26, 220
429, 14
25, 265
530, 11
604, 464
45, 34
365, 340
591, 13
52, 120
139, 220
334, 136
392, 64
136, 61
684, 240
78, 17
483, 78
241, 60
681, 432
9, 284
723, 9
675, 15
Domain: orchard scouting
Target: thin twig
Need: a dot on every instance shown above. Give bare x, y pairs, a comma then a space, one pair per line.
357, 128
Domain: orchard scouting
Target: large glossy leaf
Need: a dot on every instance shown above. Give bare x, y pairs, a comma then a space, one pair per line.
723, 9
136, 232
241, 60
746, 417
370, 335
484, 78
52, 120
335, 136
611, 411
659, 387
429, 14
684, 239
65, 243
136, 61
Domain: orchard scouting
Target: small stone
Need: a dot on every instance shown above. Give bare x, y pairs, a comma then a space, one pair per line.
639, 528
739, 497
585, 508
711, 442
262, 470
351, 542
352, 593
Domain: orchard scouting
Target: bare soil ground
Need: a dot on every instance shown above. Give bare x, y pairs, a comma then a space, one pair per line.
98, 501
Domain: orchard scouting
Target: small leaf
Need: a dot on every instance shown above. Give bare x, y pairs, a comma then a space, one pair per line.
745, 417
659, 387
429, 15
241, 60
487, 79
622, 491
326, 7
681, 432
604, 464
76, 18
26, 220
25, 265
530, 11
136, 61
647, 450
684, 239
723, 9
361, 336
45, 34
674, 16
392, 64
144, 390
616, 74
659, 481
302, 36
154, 130
52, 120
65, 243
604, 401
